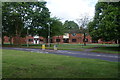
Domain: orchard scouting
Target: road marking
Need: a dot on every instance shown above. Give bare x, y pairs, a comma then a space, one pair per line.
62, 51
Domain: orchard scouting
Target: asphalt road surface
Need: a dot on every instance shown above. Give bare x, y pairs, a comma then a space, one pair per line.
81, 54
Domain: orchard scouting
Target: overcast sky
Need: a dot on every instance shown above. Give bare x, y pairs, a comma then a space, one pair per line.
71, 9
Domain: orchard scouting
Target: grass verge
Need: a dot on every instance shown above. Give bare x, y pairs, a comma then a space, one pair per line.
21, 64
105, 51
113, 50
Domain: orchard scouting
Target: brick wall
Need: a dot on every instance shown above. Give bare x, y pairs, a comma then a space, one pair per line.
6, 39
73, 39
78, 38
19, 40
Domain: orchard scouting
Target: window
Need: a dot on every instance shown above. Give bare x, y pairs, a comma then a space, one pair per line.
57, 40
41, 39
74, 34
30, 40
66, 40
74, 40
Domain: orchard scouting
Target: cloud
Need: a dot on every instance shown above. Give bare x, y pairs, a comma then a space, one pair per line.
71, 9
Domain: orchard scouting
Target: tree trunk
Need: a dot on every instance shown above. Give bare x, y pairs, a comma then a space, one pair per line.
17, 40
10, 40
58, 38
2, 40
46, 41
84, 40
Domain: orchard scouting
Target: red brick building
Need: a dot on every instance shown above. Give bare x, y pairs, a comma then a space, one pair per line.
67, 38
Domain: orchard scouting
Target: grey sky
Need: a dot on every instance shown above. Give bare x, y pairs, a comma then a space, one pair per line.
71, 9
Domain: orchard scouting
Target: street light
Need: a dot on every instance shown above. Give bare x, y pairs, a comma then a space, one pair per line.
48, 34
27, 37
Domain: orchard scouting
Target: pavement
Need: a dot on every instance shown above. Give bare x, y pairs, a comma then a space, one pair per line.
81, 54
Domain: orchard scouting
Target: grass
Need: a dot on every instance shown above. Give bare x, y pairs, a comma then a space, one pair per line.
110, 49
21, 64
103, 48
105, 51
65, 45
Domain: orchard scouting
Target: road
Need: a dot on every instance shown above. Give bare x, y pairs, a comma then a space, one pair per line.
81, 54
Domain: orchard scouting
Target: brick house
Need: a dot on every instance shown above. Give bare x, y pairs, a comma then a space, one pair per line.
71, 38
75, 38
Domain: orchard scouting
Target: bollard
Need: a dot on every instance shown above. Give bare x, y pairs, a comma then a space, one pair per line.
55, 47
43, 46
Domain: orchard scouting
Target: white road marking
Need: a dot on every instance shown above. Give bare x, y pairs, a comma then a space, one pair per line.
89, 54
61, 51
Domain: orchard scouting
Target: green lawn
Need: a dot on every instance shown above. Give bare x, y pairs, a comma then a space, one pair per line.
110, 49
65, 45
104, 48
105, 51
21, 64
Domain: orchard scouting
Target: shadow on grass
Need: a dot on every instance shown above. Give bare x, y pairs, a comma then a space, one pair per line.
111, 48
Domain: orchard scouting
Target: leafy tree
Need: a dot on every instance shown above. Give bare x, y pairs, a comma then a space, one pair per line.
11, 21
54, 28
57, 27
34, 17
71, 27
17, 17
106, 21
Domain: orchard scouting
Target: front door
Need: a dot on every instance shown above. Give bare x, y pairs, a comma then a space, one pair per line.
36, 41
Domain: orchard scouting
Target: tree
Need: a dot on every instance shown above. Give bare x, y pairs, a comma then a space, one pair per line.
71, 27
12, 22
106, 21
17, 17
83, 22
57, 27
54, 28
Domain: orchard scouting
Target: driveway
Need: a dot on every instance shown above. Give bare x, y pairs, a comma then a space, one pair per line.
81, 54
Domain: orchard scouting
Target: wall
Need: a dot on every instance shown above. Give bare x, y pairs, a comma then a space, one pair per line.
78, 37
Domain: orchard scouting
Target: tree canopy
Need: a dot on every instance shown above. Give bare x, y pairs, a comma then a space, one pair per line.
34, 17
55, 26
71, 27
17, 16
105, 24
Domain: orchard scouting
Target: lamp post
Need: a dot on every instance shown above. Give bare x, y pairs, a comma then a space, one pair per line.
48, 35
27, 37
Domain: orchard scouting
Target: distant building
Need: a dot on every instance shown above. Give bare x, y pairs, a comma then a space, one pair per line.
74, 38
